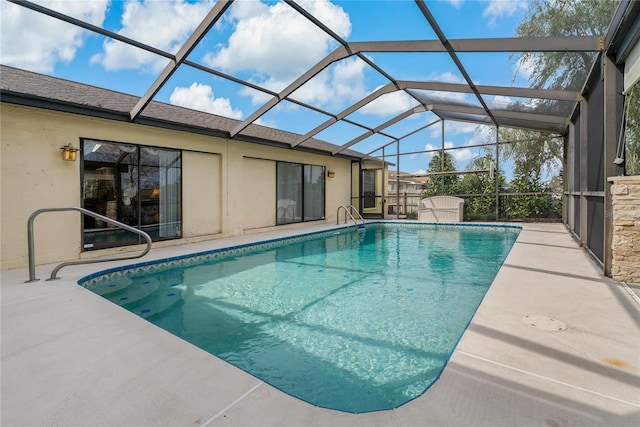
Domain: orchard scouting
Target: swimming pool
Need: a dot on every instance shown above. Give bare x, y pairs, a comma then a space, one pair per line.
355, 321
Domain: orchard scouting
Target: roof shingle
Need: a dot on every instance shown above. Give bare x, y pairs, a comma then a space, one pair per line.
59, 94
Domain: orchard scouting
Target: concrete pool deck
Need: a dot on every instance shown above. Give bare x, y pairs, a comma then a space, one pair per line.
69, 357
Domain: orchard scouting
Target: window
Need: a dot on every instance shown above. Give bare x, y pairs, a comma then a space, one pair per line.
300, 192
136, 185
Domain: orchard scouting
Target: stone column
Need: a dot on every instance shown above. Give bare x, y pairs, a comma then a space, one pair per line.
625, 246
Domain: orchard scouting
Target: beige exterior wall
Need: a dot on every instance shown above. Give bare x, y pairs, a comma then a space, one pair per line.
625, 244
259, 207
216, 183
201, 191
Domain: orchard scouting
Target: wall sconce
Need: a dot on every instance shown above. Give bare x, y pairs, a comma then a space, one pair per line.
155, 193
331, 174
69, 153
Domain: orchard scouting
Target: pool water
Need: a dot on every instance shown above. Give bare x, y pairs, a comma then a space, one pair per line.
355, 321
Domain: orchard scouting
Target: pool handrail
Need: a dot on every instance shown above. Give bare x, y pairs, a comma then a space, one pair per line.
347, 211
31, 245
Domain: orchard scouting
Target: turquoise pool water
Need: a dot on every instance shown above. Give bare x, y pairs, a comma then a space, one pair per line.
355, 321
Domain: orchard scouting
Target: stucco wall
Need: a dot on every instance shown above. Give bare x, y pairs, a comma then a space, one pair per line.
259, 206
201, 191
216, 185
625, 245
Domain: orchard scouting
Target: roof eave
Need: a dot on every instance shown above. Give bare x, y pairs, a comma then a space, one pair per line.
29, 100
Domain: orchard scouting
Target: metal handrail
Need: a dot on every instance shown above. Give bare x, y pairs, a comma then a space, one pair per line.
351, 207
31, 245
347, 211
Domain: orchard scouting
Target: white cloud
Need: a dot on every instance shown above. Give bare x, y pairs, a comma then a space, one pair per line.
479, 134
497, 9
275, 45
460, 155
266, 122
456, 3
389, 104
453, 127
257, 97
500, 101
429, 147
200, 97
447, 97
524, 67
335, 85
446, 77
165, 25
26, 39
482, 134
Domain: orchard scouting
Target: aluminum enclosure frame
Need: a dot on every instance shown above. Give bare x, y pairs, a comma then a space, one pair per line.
591, 131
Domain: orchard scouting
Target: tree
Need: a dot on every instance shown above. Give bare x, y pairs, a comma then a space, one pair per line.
555, 70
535, 156
535, 152
545, 18
441, 183
632, 133
539, 205
483, 188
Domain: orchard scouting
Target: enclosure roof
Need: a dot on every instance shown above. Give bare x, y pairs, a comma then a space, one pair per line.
317, 75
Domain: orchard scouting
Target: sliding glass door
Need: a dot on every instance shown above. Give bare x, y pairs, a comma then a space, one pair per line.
313, 192
288, 193
300, 192
135, 185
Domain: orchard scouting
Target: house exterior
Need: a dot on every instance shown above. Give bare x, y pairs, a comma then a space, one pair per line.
404, 193
172, 172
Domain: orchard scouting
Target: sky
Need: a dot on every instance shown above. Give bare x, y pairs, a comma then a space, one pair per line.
267, 43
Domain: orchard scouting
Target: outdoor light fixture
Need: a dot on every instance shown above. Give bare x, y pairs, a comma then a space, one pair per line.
69, 153
155, 193
331, 174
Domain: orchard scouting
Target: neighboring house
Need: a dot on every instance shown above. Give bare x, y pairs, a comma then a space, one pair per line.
406, 190
173, 172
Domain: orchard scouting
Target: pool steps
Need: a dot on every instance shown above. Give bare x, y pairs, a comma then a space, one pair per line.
158, 305
141, 298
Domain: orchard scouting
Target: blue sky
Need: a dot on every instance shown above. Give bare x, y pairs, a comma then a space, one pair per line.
268, 44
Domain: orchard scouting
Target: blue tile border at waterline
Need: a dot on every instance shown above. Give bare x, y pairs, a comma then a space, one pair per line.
214, 254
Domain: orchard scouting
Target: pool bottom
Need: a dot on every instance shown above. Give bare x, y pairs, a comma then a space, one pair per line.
346, 322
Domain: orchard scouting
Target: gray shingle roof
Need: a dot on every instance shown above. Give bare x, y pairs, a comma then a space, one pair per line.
29, 88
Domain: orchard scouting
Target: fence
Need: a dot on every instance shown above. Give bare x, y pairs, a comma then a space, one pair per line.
482, 207
409, 203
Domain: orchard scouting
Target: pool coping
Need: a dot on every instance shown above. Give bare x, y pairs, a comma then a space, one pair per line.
69, 357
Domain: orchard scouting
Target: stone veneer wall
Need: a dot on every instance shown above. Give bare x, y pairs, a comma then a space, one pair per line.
625, 193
